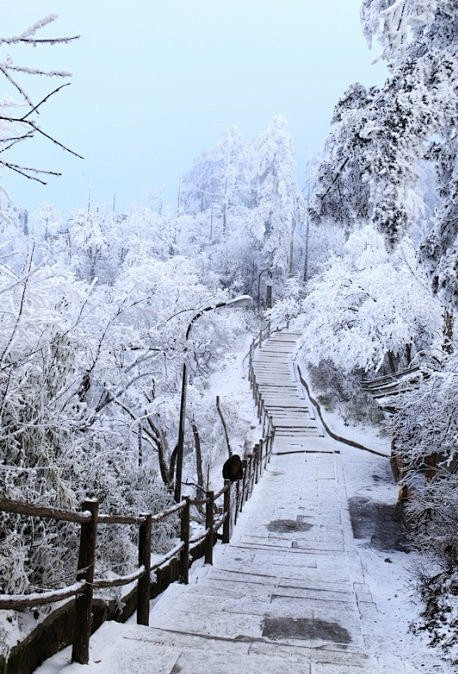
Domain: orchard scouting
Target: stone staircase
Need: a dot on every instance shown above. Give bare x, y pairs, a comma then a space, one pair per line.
287, 594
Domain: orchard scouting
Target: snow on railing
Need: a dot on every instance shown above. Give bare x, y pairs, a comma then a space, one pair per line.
384, 389
234, 494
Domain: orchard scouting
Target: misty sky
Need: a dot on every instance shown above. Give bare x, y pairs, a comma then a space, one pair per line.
156, 82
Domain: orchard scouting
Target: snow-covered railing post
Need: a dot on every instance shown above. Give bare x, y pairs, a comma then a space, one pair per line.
83, 603
261, 407
144, 559
254, 461
256, 452
184, 531
264, 419
237, 500
227, 512
248, 478
209, 498
243, 490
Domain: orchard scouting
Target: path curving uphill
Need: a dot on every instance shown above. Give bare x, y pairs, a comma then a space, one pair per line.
288, 593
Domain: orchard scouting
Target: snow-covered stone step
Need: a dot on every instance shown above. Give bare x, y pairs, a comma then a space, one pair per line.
122, 649
287, 594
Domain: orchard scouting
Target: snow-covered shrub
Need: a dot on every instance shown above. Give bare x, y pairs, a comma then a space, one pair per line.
286, 308
90, 377
368, 303
56, 449
426, 428
338, 390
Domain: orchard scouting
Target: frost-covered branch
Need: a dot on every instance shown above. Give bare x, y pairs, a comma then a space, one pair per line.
18, 128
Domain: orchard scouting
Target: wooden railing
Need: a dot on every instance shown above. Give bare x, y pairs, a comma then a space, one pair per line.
268, 430
386, 388
221, 511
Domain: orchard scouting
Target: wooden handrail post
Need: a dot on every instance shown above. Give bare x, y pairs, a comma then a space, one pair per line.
209, 526
272, 439
237, 500
253, 467
258, 459
144, 558
246, 485
83, 602
242, 497
184, 554
227, 512
248, 478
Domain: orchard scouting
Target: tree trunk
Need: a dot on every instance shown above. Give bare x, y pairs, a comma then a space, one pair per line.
291, 249
163, 469
391, 361
408, 354
226, 435
179, 197
306, 253
224, 220
198, 448
140, 444
447, 346
211, 225
307, 235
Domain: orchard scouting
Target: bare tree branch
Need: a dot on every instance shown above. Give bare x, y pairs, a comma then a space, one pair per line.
43, 100
226, 435
15, 84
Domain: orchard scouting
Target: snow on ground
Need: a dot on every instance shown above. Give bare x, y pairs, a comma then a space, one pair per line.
230, 383
314, 581
370, 436
388, 564
389, 572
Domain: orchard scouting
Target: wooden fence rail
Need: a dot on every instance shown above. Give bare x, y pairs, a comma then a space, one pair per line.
265, 420
217, 515
387, 388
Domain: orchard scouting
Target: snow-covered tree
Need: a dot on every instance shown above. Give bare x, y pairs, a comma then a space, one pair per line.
368, 305
381, 134
279, 204
288, 307
426, 431
219, 185
240, 203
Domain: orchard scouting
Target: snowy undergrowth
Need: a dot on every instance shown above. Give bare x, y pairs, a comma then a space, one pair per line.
236, 403
390, 564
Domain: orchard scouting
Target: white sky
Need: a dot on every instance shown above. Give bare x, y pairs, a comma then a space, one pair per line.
156, 82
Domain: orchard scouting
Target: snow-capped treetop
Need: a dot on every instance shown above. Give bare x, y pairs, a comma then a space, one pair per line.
380, 135
397, 24
366, 303
279, 203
